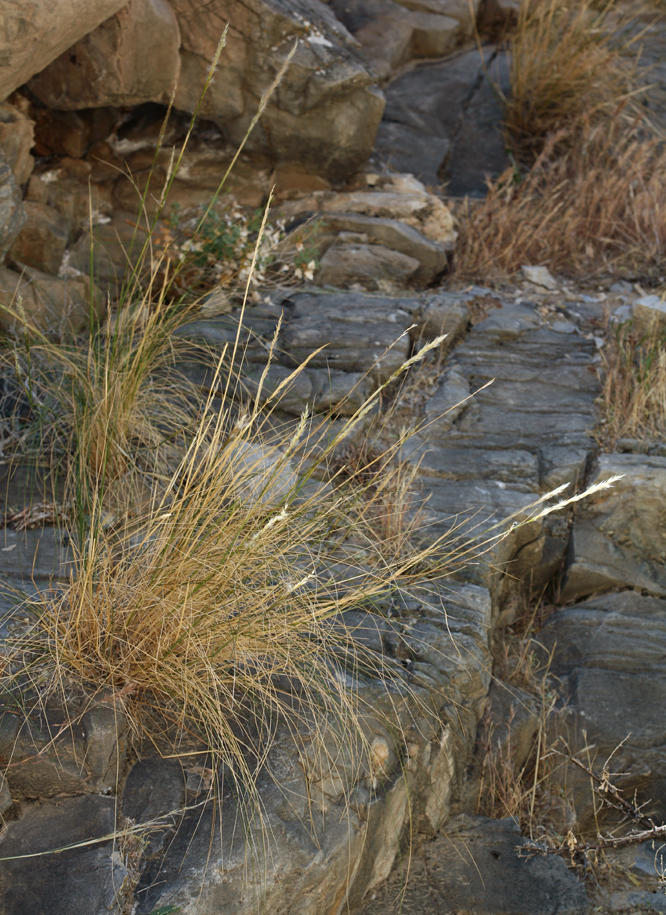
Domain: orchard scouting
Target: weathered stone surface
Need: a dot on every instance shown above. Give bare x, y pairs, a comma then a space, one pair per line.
608, 653
35, 33
311, 826
431, 256
12, 214
129, 59
526, 433
323, 116
81, 881
619, 535
372, 267
474, 868
360, 333
442, 123
42, 241
54, 305
16, 138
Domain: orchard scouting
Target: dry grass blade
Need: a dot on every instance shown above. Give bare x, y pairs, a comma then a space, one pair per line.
568, 63
633, 393
599, 205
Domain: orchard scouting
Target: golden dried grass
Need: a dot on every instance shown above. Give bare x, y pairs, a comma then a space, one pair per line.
633, 385
587, 192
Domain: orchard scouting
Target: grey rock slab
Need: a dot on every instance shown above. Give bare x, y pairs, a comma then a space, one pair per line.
435, 110
473, 868
473, 463
608, 654
359, 333
619, 536
81, 881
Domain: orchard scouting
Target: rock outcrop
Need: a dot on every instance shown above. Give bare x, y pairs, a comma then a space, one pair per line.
36, 32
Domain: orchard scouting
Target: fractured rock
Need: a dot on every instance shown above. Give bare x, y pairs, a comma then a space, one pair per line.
324, 114
442, 123
129, 59
42, 241
34, 34
619, 535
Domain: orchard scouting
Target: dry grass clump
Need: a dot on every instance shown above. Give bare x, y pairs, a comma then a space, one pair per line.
568, 65
633, 385
211, 617
599, 206
106, 411
586, 192
515, 780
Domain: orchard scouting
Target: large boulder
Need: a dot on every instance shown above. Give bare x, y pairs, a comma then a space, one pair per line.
129, 59
325, 113
35, 32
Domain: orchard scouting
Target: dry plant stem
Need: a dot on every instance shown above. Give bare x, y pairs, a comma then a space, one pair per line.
611, 796
593, 197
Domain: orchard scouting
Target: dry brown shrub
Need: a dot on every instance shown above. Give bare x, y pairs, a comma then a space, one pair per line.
601, 205
569, 63
586, 190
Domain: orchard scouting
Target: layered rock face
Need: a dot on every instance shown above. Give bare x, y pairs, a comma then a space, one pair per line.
323, 116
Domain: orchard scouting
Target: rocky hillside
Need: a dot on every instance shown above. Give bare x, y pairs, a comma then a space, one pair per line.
517, 754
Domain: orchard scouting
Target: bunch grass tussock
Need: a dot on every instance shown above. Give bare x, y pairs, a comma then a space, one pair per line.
585, 192
633, 385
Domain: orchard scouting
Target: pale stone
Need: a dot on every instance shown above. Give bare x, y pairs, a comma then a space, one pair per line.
540, 276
